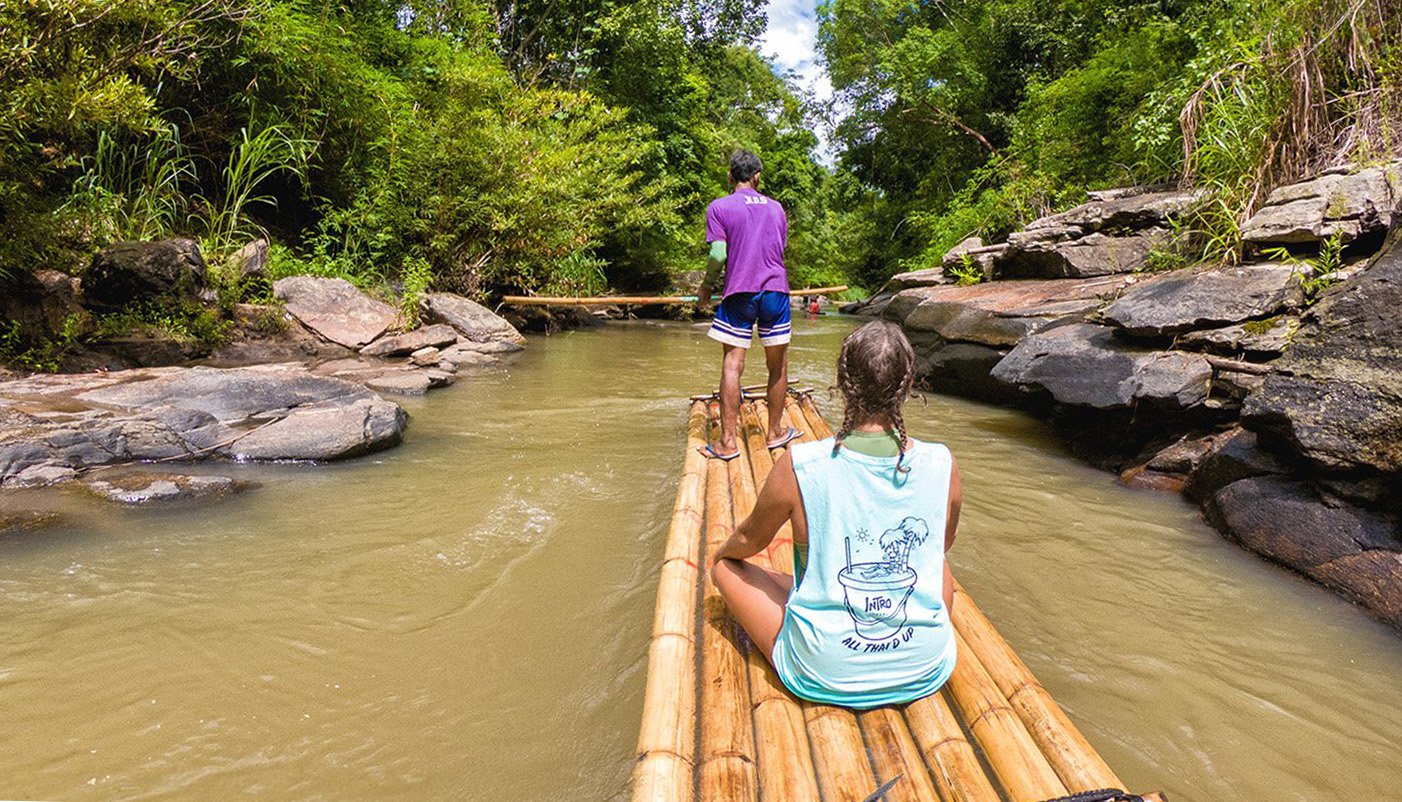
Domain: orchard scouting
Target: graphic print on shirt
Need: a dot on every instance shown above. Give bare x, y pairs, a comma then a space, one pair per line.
876, 592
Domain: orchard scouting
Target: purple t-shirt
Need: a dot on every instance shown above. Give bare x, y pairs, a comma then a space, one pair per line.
755, 230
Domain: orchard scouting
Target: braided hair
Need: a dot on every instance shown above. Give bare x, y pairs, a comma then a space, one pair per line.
876, 374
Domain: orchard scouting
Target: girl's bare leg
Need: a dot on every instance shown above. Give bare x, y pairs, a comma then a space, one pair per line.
756, 598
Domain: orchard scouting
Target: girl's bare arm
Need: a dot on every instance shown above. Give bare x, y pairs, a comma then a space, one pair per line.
775, 505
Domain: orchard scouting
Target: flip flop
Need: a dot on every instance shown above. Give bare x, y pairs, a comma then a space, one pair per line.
791, 435
710, 452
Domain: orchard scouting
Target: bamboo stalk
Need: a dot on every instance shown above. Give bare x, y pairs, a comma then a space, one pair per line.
954, 766
781, 742
638, 300
1068, 751
1014, 757
667, 741
727, 754
896, 757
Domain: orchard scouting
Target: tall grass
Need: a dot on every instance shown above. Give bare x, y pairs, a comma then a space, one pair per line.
255, 158
134, 184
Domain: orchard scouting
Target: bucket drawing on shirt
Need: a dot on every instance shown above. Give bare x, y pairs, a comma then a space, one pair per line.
876, 592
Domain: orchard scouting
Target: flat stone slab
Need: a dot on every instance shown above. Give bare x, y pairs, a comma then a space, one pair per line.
1343, 203
401, 383
471, 319
145, 488
998, 313
1261, 338
1195, 299
335, 309
438, 335
1083, 364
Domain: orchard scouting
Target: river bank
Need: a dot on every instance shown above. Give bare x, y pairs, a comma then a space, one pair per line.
1268, 392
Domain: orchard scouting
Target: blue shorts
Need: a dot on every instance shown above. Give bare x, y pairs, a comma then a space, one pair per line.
737, 314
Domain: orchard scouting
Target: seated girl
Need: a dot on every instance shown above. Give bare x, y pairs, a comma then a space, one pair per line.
865, 619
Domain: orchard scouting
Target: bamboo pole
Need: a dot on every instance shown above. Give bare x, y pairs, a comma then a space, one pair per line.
781, 742
896, 757
727, 754
1014, 757
954, 766
667, 741
1068, 751
637, 300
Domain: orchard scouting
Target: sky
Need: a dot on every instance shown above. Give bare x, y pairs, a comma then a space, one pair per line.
790, 42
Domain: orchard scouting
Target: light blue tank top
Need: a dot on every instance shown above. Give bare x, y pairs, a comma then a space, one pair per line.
867, 625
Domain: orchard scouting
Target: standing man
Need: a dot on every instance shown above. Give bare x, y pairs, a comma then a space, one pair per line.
747, 233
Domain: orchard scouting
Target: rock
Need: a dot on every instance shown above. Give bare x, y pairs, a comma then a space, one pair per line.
402, 383
1191, 299
326, 432
250, 260
40, 304
230, 396
1258, 338
1127, 208
463, 355
1082, 364
916, 278
962, 369
42, 475
438, 335
440, 378
161, 273
1232, 456
955, 256
489, 347
1373, 578
1336, 395
1287, 521
471, 319
1348, 204
998, 313
143, 488
424, 357
1045, 253
335, 309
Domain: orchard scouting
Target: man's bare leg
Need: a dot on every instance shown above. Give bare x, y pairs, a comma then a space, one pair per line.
732, 367
776, 358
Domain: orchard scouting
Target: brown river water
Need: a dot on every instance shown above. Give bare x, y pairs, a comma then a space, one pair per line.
467, 616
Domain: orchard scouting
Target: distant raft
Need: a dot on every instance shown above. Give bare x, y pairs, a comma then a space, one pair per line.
719, 725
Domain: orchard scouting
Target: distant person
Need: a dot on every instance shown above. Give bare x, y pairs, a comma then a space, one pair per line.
865, 619
748, 232
813, 309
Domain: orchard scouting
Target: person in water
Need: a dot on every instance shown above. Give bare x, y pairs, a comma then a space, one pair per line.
865, 619
748, 232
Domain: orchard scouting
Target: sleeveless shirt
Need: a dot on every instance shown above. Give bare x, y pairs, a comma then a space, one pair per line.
866, 626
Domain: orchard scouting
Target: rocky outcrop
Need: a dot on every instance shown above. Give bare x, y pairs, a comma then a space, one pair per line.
154, 273
1348, 203
39, 304
435, 336
55, 426
1282, 420
472, 320
335, 309
1112, 233
1186, 300
1336, 395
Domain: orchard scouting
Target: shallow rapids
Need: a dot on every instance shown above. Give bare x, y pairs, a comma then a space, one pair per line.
467, 616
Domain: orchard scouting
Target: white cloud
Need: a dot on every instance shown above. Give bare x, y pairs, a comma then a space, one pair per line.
790, 42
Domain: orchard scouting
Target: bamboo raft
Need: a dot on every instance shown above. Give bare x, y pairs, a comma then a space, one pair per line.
719, 725
638, 300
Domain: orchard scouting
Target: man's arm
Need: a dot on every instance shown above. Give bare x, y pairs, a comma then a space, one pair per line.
715, 263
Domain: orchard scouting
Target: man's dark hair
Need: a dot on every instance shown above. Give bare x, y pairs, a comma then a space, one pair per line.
744, 165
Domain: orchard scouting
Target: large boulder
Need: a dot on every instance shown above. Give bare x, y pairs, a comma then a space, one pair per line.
39, 303
473, 320
1061, 253
1336, 394
1354, 551
327, 431
1124, 209
157, 273
1343, 202
335, 309
1084, 365
1196, 299
435, 336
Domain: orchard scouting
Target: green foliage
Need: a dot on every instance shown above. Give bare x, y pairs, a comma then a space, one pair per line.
417, 277
1317, 273
254, 160
46, 355
967, 272
188, 323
